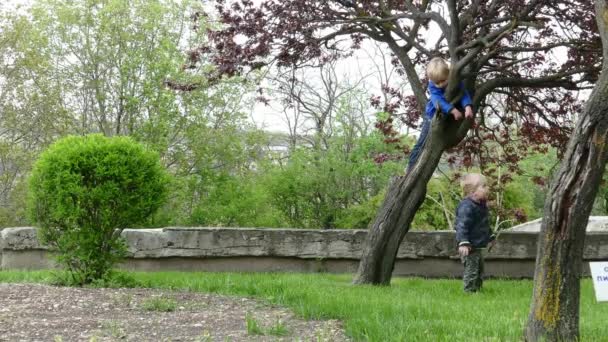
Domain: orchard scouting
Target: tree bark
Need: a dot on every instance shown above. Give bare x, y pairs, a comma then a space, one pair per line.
405, 195
554, 310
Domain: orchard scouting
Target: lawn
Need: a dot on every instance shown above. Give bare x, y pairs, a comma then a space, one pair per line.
411, 309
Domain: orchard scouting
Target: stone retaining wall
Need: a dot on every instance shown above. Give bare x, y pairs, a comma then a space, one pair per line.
427, 254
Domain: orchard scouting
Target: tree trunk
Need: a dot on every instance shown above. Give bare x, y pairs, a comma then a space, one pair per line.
554, 311
404, 197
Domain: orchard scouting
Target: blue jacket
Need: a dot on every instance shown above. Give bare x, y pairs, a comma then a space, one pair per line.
437, 95
472, 224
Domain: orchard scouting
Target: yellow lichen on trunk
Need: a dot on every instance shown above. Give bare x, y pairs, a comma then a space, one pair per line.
598, 140
548, 304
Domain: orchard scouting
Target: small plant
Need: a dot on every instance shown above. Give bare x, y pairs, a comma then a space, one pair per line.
194, 306
323, 335
253, 327
278, 329
122, 300
114, 329
161, 303
84, 190
205, 337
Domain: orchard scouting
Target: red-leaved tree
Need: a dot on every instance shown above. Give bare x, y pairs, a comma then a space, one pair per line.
523, 61
501, 50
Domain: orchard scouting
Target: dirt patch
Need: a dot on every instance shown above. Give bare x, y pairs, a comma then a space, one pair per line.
32, 312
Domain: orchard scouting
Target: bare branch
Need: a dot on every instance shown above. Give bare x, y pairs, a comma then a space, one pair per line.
410, 71
498, 68
455, 36
557, 80
436, 17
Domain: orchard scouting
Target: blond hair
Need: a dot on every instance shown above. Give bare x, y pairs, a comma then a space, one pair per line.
471, 182
437, 70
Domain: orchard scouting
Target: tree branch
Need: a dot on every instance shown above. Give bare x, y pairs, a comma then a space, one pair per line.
454, 37
553, 81
410, 71
436, 17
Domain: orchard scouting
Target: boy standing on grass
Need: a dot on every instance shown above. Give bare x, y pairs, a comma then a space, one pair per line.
473, 233
437, 72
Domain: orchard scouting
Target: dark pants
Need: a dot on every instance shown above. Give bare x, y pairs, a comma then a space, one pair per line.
426, 124
473, 271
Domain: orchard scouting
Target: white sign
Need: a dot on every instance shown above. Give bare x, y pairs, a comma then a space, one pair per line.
599, 274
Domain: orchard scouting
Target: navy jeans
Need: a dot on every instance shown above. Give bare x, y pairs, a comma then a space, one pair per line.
426, 124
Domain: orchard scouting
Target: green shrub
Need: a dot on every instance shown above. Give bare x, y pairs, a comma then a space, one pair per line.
439, 206
84, 190
360, 216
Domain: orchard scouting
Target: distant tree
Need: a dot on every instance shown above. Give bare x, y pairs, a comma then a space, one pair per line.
78, 67
312, 99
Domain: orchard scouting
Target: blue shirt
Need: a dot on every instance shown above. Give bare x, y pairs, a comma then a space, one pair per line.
437, 95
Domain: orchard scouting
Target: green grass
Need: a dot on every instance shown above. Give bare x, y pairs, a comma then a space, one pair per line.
253, 327
410, 309
278, 329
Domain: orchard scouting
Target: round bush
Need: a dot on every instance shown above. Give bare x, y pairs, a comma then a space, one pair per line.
84, 190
